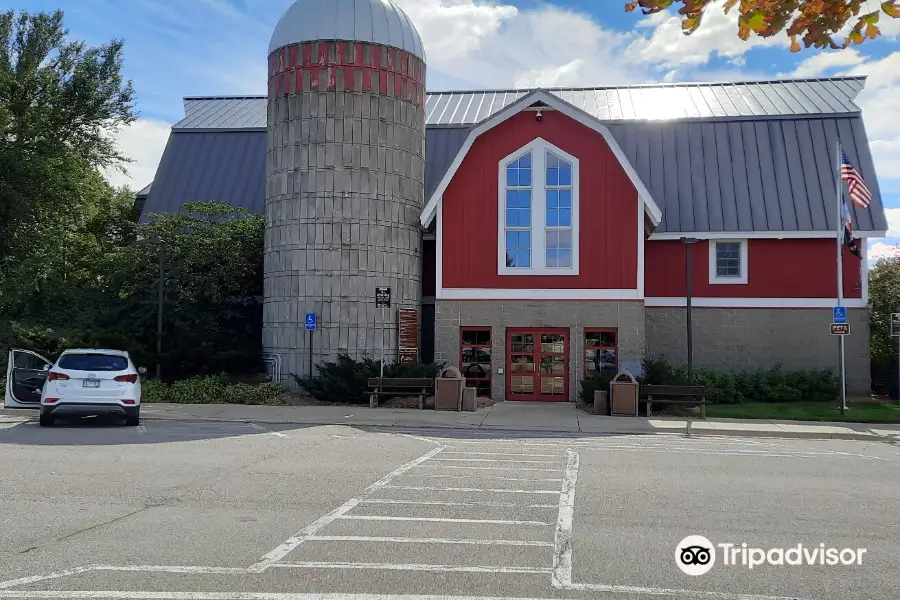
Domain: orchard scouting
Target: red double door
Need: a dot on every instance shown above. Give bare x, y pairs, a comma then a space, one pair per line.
537, 364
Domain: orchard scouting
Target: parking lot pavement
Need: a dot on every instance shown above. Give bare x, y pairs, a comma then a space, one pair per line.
211, 511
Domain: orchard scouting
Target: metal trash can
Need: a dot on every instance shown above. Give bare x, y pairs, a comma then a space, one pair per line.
601, 402
623, 392
470, 399
448, 389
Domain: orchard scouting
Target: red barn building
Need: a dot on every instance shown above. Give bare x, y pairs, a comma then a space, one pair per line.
553, 224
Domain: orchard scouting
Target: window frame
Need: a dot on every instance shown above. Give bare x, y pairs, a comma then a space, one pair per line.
585, 347
714, 277
488, 346
538, 148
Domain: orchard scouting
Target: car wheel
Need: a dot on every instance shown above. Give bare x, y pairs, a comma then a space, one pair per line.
45, 420
133, 420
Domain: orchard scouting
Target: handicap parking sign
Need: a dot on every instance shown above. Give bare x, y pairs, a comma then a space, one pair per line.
839, 314
310, 321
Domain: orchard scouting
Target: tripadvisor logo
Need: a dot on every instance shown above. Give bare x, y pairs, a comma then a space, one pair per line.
696, 555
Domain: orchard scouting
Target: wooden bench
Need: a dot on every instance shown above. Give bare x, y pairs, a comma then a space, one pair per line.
399, 386
684, 395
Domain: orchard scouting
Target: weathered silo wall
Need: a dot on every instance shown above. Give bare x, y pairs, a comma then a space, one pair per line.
345, 174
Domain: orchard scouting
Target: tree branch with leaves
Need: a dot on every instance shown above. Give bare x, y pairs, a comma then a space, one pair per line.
812, 22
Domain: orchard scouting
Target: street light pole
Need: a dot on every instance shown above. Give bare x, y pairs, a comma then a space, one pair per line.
688, 242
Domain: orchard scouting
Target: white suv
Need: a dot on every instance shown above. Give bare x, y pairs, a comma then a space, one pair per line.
82, 382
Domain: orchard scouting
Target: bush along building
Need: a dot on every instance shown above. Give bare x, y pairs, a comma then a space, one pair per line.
534, 235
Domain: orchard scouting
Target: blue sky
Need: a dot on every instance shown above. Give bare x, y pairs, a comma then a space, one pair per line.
177, 48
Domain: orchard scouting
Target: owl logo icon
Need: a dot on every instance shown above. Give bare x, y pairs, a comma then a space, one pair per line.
695, 555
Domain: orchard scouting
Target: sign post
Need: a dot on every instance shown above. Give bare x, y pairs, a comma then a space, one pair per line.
839, 314
311, 324
382, 301
895, 332
840, 329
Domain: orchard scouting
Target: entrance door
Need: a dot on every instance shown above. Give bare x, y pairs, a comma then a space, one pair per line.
25, 377
537, 364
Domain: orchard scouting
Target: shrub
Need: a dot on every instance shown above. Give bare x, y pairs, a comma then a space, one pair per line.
209, 390
764, 385
198, 390
154, 390
346, 380
598, 380
246, 393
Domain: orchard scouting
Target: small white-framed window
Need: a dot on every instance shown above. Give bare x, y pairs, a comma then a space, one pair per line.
728, 261
538, 210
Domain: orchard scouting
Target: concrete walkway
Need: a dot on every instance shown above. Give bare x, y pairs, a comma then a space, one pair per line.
518, 416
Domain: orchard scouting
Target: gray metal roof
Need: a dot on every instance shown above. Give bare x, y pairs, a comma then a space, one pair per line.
742, 176
441, 146
374, 21
210, 167
749, 100
223, 112
733, 171
663, 102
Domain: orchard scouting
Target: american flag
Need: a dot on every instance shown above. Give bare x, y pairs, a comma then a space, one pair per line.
859, 192
848, 229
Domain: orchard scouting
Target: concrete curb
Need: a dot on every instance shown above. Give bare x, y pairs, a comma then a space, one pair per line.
689, 432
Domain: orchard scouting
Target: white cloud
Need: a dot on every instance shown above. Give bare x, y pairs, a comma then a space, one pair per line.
822, 63
893, 218
499, 45
143, 141
878, 100
880, 250
668, 46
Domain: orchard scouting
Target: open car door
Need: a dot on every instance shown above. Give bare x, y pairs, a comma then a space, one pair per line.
25, 377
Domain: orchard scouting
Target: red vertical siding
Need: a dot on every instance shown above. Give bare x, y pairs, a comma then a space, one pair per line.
608, 210
798, 268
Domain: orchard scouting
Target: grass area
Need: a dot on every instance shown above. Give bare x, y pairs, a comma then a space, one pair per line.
859, 412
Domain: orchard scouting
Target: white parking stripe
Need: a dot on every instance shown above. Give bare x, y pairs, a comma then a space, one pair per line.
266, 430
414, 567
35, 578
499, 468
495, 460
443, 520
462, 489
439, 503
493, 478
406, 540
469, 453
298, 538
562, 551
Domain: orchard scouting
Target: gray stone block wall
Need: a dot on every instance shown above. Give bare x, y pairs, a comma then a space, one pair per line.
746, 339
451, 315
345, 185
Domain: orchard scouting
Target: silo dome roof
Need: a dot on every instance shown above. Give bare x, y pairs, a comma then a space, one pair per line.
372, 21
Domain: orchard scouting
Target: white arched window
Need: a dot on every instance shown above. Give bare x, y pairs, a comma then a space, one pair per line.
538, 209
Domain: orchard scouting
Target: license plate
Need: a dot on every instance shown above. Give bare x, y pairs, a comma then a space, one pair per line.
92, 383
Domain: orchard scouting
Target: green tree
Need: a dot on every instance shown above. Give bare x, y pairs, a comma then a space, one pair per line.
213, 263
61, 103
814, 22
884, 299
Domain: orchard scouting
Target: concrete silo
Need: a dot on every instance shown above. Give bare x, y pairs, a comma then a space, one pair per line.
345, 172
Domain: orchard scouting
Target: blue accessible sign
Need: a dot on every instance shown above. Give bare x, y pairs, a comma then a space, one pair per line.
839, 314
311, 321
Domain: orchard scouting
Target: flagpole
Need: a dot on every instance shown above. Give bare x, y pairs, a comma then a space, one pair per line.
840, 270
